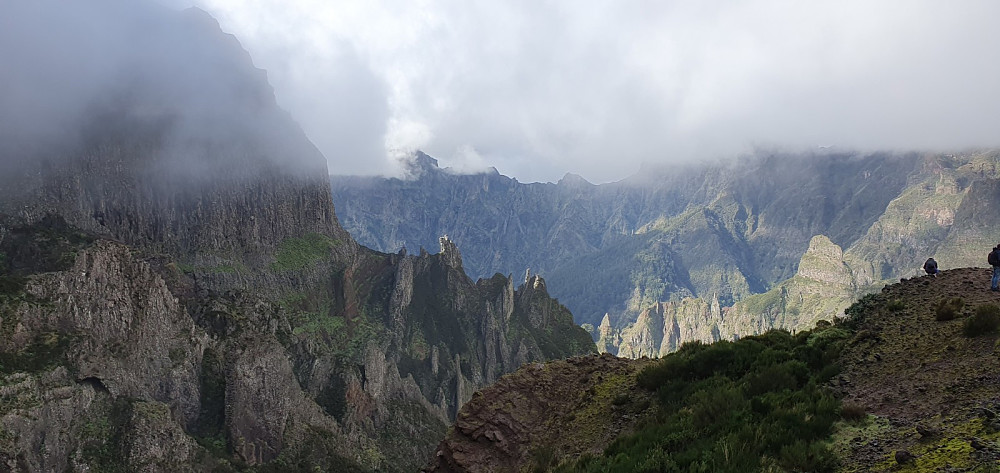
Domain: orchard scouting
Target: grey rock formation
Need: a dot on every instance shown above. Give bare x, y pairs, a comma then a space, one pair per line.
184, 299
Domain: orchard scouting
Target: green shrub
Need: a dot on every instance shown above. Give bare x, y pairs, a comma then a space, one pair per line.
714, 405
46, 351
776, 378
985, 321
805, 456
852, 411
895, 305
990, 468
948, 309
621, 399
756, 404
542, 458
11, 285
858, 310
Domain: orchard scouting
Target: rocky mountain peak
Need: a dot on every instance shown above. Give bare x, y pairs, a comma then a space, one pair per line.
824, 261
420, 165
450, 253
574, 180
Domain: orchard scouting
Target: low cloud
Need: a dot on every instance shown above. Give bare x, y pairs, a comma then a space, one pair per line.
73, 70
594, 87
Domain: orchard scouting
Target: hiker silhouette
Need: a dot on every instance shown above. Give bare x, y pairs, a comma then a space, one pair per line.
994, 260
931, 267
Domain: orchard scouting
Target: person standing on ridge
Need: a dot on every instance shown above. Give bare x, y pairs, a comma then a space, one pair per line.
930, 266
994, 260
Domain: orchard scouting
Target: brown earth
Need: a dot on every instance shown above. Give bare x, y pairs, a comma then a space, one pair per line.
928, 389
545, 413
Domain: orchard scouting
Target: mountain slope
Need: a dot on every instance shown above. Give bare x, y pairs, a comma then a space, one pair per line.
941, 381
896, 386
714, 230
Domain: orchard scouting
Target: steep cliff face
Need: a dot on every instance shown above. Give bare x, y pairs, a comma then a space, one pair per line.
917, 223
218, 177
106, 336
176, 292
370, 384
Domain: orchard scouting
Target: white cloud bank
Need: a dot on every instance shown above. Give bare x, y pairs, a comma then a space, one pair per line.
539, 88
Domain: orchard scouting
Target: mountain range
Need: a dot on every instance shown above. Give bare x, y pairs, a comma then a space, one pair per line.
699, 251
177, 292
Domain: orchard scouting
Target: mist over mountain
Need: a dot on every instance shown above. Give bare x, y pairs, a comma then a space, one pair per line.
77, 69
537, 90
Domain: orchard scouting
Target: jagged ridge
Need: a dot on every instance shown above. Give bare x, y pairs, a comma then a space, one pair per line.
163, 317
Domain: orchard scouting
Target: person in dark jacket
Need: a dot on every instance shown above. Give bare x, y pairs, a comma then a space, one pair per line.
930, 266
994, 260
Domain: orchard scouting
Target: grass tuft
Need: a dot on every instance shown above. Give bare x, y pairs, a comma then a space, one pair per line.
985, 321
948, 309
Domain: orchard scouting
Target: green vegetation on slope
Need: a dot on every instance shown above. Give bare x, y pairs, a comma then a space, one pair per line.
908, 370
48, 245
298, 253
757, 404
46, 351
101, 438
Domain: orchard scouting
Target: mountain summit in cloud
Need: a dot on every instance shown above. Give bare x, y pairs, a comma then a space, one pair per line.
176, 293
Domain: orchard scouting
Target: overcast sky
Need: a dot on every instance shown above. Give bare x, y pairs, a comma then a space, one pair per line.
540, 88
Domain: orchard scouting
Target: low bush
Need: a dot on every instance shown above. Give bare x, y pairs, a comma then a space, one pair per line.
859, 310
757, 404
985, 321
948, 309
852, 411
